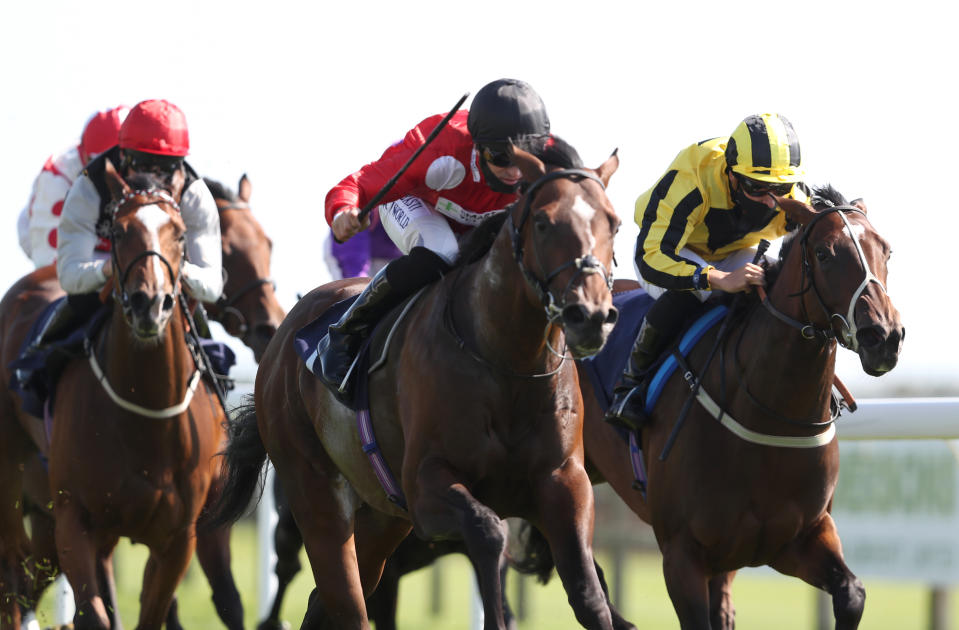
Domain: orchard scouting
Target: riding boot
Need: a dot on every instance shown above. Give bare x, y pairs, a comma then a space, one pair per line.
390, 286
201, 322
663, 322
61, 323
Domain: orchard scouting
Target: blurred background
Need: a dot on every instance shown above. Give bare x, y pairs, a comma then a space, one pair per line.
297, 95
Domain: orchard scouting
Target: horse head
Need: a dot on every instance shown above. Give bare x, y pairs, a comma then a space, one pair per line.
147, 237
844, 278
562, 232
248, 308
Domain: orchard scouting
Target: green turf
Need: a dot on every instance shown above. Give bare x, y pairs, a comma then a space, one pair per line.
763, 599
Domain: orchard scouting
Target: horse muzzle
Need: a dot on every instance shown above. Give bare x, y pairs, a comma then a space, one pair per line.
587, 328
149, 314
879, 348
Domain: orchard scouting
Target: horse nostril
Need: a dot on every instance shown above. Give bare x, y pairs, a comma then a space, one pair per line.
575, 314
168, 301
612, 316
139, 302
264, 331
868, 337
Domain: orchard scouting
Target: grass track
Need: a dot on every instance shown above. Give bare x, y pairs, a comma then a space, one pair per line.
763, 599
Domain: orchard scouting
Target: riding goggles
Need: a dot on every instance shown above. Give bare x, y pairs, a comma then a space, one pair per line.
496, 158
756, 188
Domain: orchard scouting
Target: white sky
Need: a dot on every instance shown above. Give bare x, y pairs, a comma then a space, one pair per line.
297, 95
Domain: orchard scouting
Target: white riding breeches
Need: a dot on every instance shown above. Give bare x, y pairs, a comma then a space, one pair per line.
730, 263
411, 222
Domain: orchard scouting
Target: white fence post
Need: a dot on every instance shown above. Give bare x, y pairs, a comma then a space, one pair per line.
266, 520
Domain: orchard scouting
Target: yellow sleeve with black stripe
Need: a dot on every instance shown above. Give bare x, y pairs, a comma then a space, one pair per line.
667, 214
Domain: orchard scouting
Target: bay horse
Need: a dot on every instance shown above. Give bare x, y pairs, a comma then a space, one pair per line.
477, 409
762, 495
132, 453
248, 308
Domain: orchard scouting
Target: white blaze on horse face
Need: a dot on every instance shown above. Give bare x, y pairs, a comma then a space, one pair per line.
857, 231
153, 218
583, 208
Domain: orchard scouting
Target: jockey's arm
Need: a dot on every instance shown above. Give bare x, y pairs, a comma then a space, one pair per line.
78, 267
203, 270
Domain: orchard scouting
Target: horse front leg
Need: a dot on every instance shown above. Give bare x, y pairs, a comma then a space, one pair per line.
687, 582
444, 507
816, 558
564, 502
213, 552
78, 554
164, 570
722, 614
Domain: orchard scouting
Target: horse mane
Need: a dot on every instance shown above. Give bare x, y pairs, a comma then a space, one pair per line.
219, 191
555, 152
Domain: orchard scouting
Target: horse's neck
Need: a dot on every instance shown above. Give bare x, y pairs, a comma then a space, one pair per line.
776, 359
154, 375
499, 316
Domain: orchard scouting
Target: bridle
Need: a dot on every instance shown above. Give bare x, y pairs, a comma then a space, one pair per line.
584, 265
847, 322
119, 288
225, 304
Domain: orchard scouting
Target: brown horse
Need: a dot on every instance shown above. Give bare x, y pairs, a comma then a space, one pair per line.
132, 453
757, 489
252, 314
477, 409
248, 308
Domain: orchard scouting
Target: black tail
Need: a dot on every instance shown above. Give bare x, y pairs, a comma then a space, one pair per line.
529, 552
245, 456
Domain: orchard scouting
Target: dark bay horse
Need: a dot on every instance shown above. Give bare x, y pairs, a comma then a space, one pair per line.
250, 312
477, 410
136, 426
760, 491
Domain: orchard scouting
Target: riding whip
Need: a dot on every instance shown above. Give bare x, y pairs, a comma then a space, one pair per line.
372, 203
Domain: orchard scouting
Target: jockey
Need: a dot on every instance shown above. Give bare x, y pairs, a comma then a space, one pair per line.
37, 224
153, 138
458, 180
700, 224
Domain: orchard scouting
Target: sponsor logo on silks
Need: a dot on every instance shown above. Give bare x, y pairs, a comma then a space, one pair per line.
460, 214
402, 219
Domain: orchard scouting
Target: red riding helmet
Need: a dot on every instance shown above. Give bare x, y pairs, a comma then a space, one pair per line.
101, 132
157, 127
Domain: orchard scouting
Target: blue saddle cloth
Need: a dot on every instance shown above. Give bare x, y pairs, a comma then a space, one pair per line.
606, 368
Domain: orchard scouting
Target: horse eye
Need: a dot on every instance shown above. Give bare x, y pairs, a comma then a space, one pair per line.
541, 223
822, 255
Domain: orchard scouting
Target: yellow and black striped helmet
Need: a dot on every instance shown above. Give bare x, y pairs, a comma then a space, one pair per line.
765, 147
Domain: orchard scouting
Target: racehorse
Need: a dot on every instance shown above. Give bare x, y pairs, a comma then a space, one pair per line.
248, 308
477, 409
757, 488
132, 453
251, 312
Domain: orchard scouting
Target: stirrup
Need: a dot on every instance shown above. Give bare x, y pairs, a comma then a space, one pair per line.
623, 413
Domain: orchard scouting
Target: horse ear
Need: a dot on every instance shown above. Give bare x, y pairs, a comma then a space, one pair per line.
529, 165
859, 203
115, 182
796, 211
245, 188
607, 168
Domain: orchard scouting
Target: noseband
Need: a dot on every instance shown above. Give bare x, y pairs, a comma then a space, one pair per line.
152, 195
847, 322
584, 265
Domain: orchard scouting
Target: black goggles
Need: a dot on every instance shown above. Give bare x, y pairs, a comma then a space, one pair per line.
141, 162
756, 188
496, 158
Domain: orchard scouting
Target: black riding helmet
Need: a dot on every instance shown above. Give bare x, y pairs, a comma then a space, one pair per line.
507, 109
